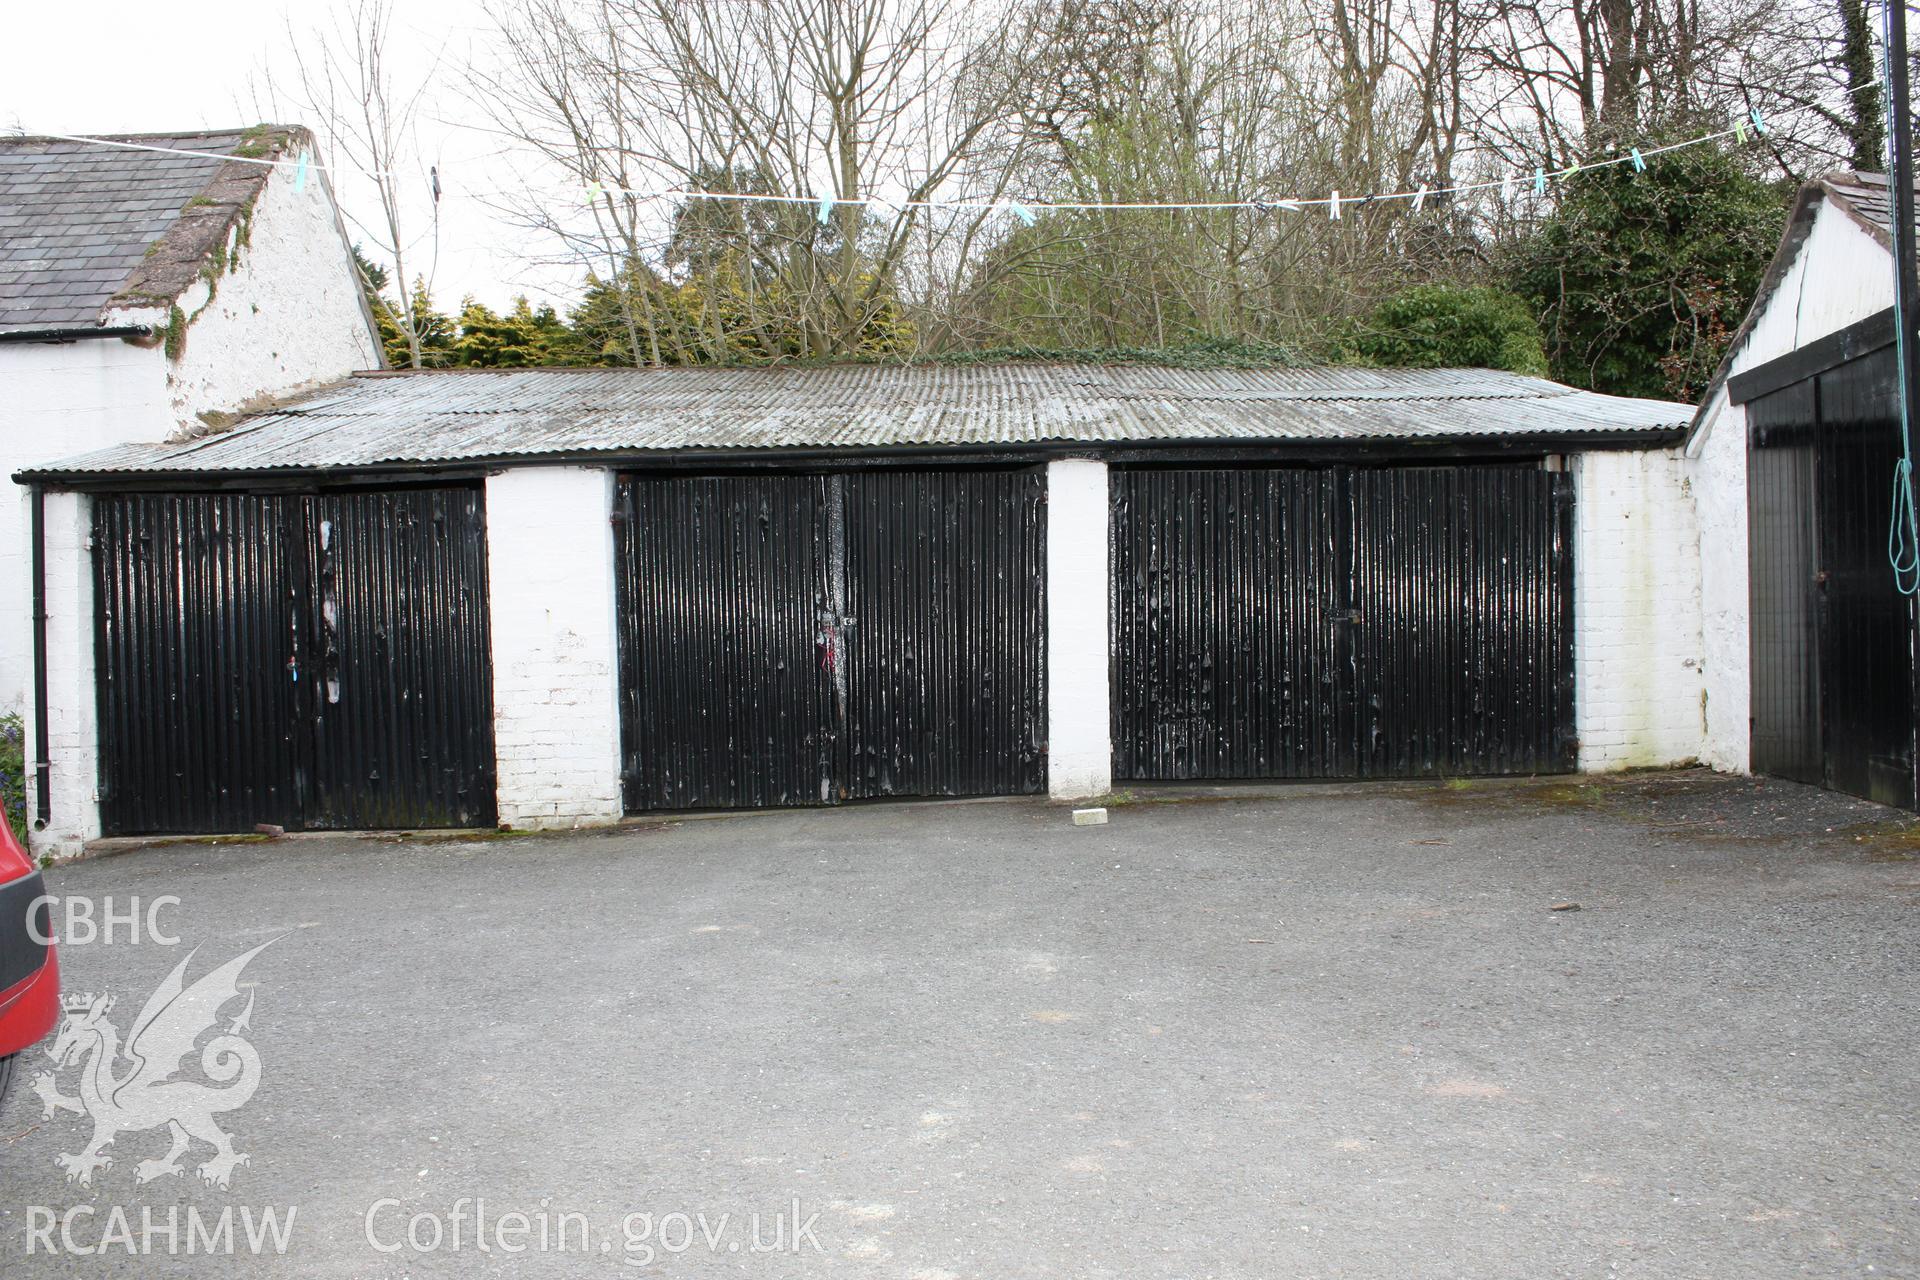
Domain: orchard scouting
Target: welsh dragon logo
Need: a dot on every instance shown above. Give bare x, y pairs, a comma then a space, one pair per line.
125, 1089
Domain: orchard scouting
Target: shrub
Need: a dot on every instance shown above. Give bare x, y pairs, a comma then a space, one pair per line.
13, 773
1641, 279
1437, 326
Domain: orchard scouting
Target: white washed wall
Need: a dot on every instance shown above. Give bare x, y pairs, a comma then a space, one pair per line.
1079, 733
1717, 466
289, 317
1637, 668
58, 399
556, 713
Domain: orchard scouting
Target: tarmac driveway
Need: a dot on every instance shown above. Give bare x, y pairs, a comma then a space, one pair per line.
1316, 1032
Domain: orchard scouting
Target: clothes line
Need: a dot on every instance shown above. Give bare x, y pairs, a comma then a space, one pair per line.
1751, 123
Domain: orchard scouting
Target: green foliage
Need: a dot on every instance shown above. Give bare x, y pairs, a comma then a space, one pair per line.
1865, 124
1211, 353
724, 313
373, 276
436, 331
175, 340
598, 329
393, 340
1639, 279
1437, 326
1084, 280
729, 315
13, 773
521, 338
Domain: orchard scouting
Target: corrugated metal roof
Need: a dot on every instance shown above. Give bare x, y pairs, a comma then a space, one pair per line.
374, 420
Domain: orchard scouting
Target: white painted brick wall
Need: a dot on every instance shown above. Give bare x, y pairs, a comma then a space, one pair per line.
556, 715
60, 399
1079, 733
1637, 639
73, 739
1718, 469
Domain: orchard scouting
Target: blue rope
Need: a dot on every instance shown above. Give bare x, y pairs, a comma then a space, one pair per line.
1903, 548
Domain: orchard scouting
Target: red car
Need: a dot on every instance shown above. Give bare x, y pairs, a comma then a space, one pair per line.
29, 971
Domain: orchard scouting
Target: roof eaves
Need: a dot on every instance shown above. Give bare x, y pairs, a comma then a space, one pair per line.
76, 471
1866, 198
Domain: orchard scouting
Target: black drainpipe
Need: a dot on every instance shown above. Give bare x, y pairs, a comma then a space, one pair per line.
74, 333
42, 765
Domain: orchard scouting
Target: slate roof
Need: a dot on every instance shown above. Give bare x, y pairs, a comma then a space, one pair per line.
1867, 197
429, 419
85, 227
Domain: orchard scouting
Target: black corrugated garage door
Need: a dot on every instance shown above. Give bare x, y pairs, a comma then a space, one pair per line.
317, 661
1341, 622
1831, 632
807, 639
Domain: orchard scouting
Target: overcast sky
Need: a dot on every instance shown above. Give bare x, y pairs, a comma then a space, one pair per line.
137, 66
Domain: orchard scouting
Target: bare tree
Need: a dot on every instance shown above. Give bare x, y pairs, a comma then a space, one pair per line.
873, 106
877, 106
1561, 79
367, 128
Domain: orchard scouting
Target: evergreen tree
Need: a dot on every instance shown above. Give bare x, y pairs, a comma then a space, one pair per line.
373, 281
437, 334
522, 338
1640, 279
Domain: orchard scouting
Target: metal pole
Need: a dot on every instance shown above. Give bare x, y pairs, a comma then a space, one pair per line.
1906, 300
1901, 182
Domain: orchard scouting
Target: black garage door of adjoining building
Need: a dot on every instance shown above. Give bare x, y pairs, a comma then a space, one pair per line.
791, 639
1831, 635
1342, 622
316, 661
